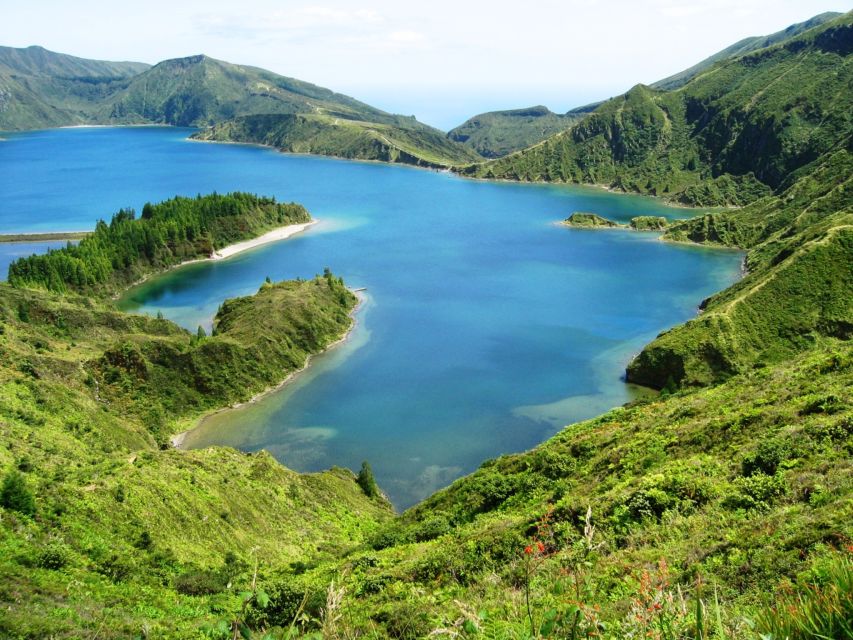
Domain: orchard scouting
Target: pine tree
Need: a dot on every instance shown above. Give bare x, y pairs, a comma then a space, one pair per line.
366, 480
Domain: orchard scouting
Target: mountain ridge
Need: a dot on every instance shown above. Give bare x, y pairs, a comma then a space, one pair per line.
494, 134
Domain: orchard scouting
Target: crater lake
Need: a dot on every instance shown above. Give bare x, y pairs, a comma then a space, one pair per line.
486, 327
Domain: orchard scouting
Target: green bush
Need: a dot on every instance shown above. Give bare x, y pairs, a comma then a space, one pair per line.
15, 495
766, 458
366, 480
53, 556
757, 491
199, 583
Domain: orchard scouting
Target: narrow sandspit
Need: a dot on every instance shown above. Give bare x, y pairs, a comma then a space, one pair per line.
233, 249
272, 236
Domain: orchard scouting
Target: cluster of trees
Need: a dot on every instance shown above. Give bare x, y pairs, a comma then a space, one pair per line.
165, 234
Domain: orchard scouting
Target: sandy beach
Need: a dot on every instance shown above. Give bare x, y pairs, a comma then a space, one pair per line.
272, 236
226, 252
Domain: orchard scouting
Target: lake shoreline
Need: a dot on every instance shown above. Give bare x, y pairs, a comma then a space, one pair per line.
279, 233
449, 169
46, 236
177, 440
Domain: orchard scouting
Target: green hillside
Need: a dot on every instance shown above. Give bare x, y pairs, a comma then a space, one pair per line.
327, 134
618, 525
719, 509
498, 133
740, 48
199, 90
798, 293
729, 136
645, 504
40, 88
38, 61
89, 397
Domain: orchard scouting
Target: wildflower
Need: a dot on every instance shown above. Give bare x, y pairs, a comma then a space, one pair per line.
540, 546
528, 550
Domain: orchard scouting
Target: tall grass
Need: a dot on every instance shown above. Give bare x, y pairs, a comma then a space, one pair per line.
822, 610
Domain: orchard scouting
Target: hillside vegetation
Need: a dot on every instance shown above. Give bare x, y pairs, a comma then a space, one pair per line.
238, 103
88, 399
498, 133
798, 292
615, 527
742, 47
127, 249
40, 88
407, 142
200, 90
729, 136
719, 509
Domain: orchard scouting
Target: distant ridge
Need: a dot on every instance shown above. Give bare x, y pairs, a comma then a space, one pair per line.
40, 89
498, 133
742, 47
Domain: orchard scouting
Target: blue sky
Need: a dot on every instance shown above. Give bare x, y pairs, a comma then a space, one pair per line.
442, 60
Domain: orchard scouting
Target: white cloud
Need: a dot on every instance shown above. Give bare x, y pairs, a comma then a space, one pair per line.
417, 57
407, 37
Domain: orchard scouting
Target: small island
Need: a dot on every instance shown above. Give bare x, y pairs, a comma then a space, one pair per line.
585, 220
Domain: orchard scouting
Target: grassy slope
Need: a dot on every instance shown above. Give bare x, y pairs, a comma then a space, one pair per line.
346, 138
199, 90
40, 88
248, 104
729, 136
746, 484
499, 133
87, 395
742, 47
799, 290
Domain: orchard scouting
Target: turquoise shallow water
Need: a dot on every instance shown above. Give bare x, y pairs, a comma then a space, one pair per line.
487, 327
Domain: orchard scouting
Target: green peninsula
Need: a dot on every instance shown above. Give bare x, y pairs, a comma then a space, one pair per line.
90, 397
165, 235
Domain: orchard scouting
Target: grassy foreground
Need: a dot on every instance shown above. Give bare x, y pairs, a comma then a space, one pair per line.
121, 534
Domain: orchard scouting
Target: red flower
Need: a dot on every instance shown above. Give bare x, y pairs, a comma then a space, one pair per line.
540, 546
528, 549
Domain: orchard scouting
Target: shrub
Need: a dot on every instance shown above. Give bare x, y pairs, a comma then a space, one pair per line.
757, 491
15, 495
198, 583
766, 459
366, 480
432, 528
53, 556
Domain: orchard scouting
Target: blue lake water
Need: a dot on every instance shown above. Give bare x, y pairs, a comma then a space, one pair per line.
486, 328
